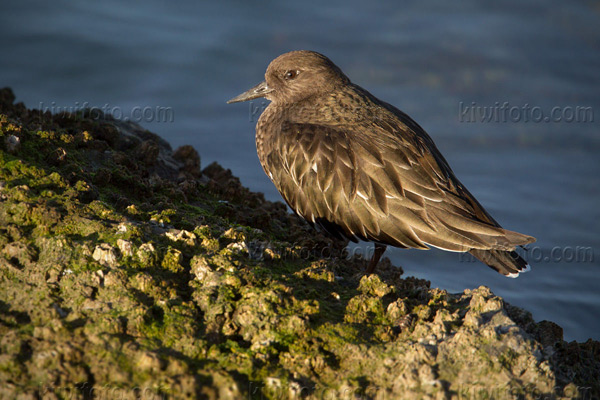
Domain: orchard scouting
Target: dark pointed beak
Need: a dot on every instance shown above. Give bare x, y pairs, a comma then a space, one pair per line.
260, 90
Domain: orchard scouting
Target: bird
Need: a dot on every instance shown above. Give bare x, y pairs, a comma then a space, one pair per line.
358, 168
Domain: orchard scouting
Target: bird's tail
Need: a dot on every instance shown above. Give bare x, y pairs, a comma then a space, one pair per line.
508, 263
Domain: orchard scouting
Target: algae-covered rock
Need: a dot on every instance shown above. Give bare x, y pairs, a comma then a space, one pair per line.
128, 272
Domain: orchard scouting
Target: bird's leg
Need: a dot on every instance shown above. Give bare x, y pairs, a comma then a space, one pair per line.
379, 250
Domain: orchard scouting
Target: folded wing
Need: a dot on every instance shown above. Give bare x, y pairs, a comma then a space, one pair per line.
390, 186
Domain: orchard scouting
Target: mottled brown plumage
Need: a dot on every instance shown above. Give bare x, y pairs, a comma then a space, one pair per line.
359, 168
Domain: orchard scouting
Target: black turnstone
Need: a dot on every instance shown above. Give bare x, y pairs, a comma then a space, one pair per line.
359, 168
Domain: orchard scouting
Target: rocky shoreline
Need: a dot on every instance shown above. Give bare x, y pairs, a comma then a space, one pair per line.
127, 271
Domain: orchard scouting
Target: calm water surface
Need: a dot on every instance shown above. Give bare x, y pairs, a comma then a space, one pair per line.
540, 178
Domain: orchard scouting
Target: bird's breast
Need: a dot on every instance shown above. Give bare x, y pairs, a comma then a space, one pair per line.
267, 128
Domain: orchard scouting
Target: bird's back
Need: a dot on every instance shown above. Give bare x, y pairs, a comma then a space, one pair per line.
362, 169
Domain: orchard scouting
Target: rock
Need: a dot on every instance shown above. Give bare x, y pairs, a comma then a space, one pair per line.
184, 236
172, 260
125, 247
105, 254
19, 255
7, 97
146, 253
200, 269
228, 296
371, 285
147, 152
397, 310
549, 333
57, 157
102, 177
12, 143
238, 248
148, 361
190, 159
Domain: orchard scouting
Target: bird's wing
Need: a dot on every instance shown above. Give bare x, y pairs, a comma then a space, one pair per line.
380, 187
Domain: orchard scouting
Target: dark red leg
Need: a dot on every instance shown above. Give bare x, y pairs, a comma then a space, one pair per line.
379, 250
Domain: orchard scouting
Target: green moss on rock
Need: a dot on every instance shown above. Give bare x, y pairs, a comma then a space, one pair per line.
128, 272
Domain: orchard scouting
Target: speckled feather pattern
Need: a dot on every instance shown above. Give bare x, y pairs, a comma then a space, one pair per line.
359, 168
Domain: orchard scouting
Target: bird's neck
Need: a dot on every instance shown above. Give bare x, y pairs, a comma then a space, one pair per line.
267, 126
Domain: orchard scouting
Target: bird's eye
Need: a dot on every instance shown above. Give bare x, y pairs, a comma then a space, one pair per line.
289, 75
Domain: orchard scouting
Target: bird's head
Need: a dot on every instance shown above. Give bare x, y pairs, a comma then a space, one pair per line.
295, 76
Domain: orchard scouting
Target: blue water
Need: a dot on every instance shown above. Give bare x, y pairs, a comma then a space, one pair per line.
540, 178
